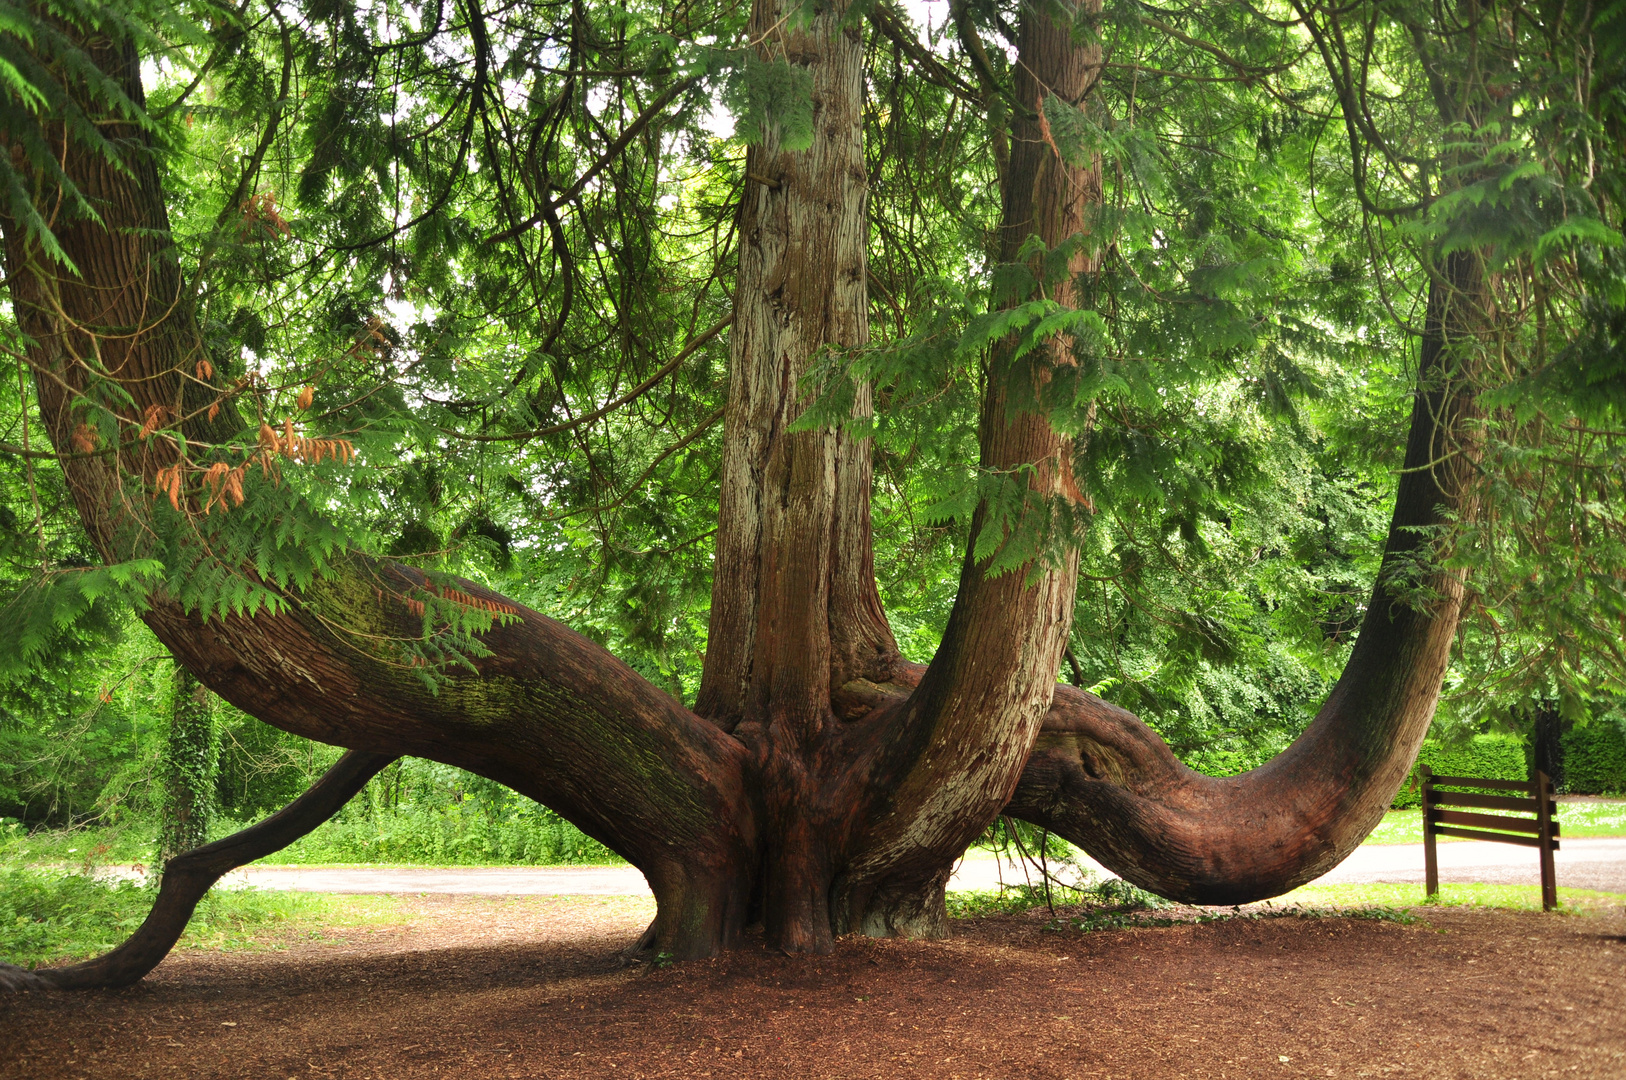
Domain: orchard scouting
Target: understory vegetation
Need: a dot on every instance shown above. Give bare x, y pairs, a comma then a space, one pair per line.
48, 916
86, 786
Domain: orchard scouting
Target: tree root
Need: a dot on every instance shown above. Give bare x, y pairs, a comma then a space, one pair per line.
189, 875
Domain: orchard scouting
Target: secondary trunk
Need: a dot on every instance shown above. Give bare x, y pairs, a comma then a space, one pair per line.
956, 745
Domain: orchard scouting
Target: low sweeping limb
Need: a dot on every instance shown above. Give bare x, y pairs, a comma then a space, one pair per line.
191, 874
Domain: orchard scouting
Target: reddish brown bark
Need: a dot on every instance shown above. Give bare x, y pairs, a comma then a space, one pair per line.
795, 612
954, 748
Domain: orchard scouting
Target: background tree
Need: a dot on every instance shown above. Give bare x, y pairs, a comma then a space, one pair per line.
191, 764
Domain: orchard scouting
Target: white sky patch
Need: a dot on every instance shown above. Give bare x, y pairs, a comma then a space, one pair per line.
718, 120
406, 313
930, 16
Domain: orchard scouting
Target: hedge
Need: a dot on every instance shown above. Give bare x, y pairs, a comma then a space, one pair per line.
1495, 757
1595, 758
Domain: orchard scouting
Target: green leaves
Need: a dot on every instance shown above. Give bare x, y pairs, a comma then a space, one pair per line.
1575, 230
772, 102
38, 615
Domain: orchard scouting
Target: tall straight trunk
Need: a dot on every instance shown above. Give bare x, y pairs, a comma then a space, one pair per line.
795, 612
964, 733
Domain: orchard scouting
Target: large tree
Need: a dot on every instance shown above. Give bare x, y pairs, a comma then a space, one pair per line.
820, 784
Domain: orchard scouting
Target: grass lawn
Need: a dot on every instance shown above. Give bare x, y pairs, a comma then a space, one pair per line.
1383, 894
132, 842
49, 916
1600, 818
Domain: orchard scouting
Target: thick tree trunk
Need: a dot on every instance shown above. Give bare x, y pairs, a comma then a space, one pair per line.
795, 612
862, 816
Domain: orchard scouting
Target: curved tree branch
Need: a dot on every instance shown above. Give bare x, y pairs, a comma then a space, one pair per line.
191, 874
1104, 780
541, 708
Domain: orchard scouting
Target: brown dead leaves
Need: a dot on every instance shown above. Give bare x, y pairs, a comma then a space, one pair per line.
457, 596
169, 483
261, 219
155, 417
493, 606
224, 486
219, 485
290, 444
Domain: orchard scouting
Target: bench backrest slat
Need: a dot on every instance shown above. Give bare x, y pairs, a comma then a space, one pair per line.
1484, 782
1482, 802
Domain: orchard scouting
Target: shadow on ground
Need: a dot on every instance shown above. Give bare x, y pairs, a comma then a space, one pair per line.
510, 988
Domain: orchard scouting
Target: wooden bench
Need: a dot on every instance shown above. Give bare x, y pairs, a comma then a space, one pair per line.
1540, 832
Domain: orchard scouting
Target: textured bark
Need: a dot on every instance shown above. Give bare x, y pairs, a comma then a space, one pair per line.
794, 606
795, 612
1102, 779
955, 748
862, 816
192, 873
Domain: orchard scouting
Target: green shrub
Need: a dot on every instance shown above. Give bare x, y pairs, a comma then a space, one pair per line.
1494, 757
1595, 758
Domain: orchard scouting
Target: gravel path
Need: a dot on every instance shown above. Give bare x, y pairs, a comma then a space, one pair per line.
1586, 863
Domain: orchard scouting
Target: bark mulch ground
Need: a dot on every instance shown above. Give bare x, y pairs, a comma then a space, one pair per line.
490, 987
